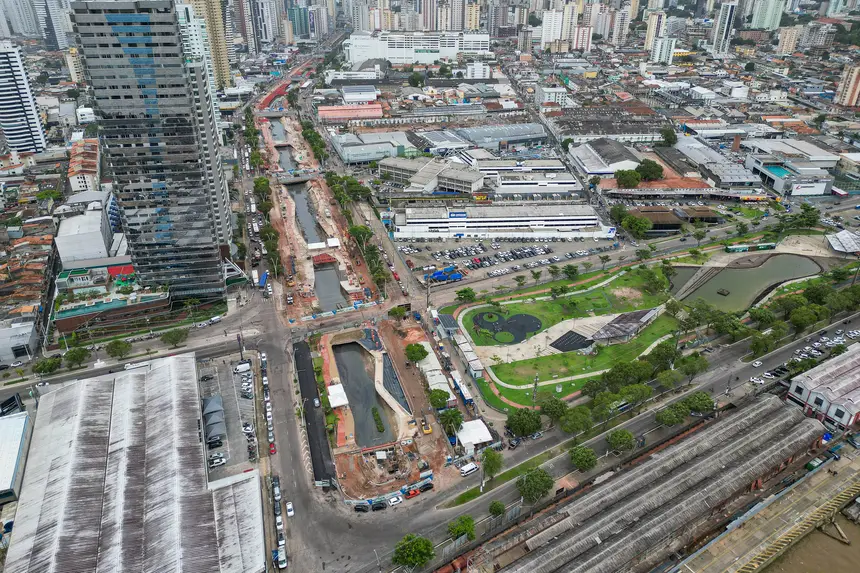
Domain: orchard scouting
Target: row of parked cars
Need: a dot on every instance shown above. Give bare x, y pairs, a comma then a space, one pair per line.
380, 505
452, 254
279, 555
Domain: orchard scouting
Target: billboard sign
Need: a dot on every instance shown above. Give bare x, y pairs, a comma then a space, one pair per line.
457, 215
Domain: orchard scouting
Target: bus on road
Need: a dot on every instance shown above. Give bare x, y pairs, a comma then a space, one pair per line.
255, 277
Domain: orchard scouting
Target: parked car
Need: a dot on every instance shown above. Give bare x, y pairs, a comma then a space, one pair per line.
426, 487
412, 493
361, 508
396, 500
378, 506
290, 511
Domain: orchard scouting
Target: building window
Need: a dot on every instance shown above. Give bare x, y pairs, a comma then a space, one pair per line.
818, 402
798, 390
839, 413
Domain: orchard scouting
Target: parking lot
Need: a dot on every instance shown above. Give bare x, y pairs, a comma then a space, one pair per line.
217, 379
492, 259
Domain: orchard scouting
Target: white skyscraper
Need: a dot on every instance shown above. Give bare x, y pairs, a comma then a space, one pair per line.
550, 27
195, 41
663, 51
21, 15
620, 26
580, 38
568, 21
723, 29
265, 20
837, 7
766, 14
458, 14
19, 117
656, 28
360, 17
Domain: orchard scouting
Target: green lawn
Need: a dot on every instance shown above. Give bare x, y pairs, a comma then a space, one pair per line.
522, 372
597, 275
489, 396
449, 309
606, 300
691, 260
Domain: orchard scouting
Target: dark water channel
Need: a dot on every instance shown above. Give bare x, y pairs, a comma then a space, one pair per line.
352, 365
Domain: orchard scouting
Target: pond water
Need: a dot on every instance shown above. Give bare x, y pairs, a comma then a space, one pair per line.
361, 392
745, 285
326, 278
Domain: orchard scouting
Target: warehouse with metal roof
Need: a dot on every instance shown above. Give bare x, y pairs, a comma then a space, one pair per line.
116, 481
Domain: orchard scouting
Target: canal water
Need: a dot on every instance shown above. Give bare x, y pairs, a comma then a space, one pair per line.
278, 132
326, 277
353, 363
818, 553
746, 285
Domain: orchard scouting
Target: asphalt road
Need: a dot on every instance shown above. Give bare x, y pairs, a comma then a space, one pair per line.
323, 465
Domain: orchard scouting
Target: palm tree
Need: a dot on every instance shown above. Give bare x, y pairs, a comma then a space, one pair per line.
536, 275
604, 259
451, 420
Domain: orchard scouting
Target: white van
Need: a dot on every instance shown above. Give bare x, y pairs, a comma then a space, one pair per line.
469, 468
244, 367
214, 319
282, 558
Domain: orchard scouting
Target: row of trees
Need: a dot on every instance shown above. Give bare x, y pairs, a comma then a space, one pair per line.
647, 170
314, 139
636, 226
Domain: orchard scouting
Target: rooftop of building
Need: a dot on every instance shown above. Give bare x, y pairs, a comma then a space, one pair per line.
838, 379
531, 210
86, 222
134, 488
611, 151
506, 132
12, 429
790, 148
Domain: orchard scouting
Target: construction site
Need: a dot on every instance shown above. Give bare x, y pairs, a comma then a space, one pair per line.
677, 500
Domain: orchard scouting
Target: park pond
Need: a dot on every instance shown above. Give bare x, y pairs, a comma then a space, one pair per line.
745, 285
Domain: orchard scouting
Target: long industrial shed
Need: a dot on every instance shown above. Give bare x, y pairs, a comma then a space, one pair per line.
718, 462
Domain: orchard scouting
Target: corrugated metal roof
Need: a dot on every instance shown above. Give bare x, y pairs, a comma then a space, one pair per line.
116, 481
12, 430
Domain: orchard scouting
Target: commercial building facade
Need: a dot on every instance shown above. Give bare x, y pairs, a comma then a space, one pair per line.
415, 47
173, 198
496, 221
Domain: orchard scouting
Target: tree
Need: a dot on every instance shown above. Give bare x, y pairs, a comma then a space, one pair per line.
699, 402
649, 170
553, 408
583, 458
742, 228
175, 337
749, 67
416, 80
534, 20
762, 316
642, 254
413, 551
361, 234
669, 379
699, 234
491, 462
620, 440
818, 293
838, 349
603, 260
801, 318
466, 295
255, 159
637, 226
587, 265
438, 398
779, 329
520, 280
637, 394
576, 420
558, 291
76, 356
536, 275
49, 194
570, 272
463, 525
790, 302
693, 365
523, 422
618, 213
118, 349
451, 420
565, 144
673, 307
695, 253
663, 356
416, 352
397, 312
627, 178
839, 274
671, 416
92, 130
594, 181
497, 508
553, 271
535, 485
670, 138
47, 366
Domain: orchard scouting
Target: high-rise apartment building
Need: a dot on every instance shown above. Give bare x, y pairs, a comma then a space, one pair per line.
524, 40
473, 16
788, 39
360, 17
568, 20
656, 28
551, 25
766, 14
634, 9
21, 17
723, 29
620, 26
848, 91
19, 117
458, 14
196, 43
443, 16
837, 7
161, 143
211, 12
54, 30
75, 65
265, 21
243, 19
663, 50
497, 15
428, 15
580, 38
